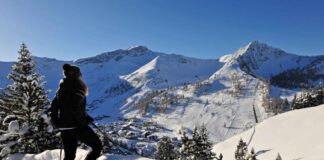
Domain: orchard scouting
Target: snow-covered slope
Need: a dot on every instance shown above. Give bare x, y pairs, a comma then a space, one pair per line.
295, 135
172, 70
178, 91
81, 154
212, 102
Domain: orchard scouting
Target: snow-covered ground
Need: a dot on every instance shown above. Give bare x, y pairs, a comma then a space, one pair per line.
81, 154
295, 135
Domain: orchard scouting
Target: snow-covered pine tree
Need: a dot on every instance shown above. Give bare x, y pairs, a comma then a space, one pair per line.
220, 157
278, 157
198, 147
293, 104
8, 104
26, 100
166, 150
236, 85
253, 155
185, 150
319, 98
309, 99
203, 144
2, 113
286, 105
241, 152
194, 143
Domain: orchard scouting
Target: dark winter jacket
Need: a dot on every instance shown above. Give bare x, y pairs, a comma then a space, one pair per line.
68, 108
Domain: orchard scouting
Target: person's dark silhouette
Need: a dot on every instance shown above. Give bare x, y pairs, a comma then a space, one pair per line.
68, 113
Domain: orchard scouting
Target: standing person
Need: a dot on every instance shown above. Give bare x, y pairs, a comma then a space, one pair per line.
68, 113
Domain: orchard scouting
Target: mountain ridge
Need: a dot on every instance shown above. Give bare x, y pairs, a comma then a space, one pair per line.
179, 91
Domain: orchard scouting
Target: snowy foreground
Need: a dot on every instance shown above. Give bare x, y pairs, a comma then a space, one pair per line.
295, 135
81, 154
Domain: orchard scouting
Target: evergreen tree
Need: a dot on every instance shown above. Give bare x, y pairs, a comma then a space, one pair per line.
319, 99
253, 155
199, 147
165, 150
278, 157
293, 104
26, 100
202, 145
2, 113
241, 152
309, 100
220, 157
286, 105
185, 150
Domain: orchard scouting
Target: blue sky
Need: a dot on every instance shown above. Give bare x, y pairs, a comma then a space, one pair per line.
71, 29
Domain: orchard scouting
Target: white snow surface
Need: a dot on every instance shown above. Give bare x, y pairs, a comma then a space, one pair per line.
295, 135
81, 154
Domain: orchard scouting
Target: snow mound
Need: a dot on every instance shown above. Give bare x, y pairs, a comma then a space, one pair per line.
295, 135
13, 127
81, 154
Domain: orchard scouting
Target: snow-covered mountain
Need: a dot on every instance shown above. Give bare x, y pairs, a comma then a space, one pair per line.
265, 61
179, 92
295, 135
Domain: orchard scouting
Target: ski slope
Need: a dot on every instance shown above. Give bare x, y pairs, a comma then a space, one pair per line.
296, 135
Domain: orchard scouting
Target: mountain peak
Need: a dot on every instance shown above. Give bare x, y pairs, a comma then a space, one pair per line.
138, 48
257, 45
259, 49
255, 42
263, 59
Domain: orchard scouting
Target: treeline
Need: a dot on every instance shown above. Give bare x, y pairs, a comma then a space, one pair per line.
296, 78
159, 101
308, 98
199, 147
118, 89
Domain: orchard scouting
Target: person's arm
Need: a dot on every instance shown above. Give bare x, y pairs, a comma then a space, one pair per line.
53, 112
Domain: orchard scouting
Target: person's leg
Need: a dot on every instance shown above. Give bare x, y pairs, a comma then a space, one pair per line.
70, 144
90, 138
